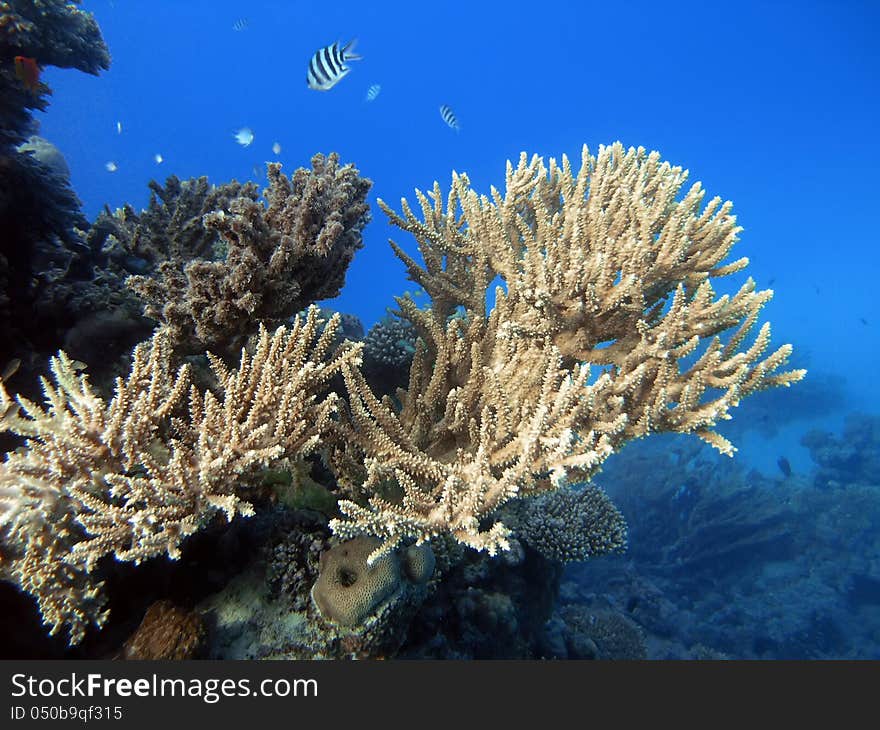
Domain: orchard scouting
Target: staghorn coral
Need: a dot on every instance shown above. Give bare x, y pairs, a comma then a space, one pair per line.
271, 262
134, 477
603, 267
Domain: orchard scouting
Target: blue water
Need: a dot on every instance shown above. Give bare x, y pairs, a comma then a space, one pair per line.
774, 106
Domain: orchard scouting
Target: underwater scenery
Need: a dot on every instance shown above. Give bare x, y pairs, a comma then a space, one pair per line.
404, 331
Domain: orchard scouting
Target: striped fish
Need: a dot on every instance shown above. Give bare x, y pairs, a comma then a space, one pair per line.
449, 117
373, 92
239, 25
327, 67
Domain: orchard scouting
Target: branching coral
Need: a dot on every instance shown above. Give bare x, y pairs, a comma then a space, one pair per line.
170, 230
273, 261
603, 267
134, 477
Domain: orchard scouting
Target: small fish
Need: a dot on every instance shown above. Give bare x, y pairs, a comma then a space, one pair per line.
373, 92
276, 148
111, 166
449, 117
327, 66
158, 158
241, 24
863, 321
28, 72
244, 136
784, 466
772, 281
118, 127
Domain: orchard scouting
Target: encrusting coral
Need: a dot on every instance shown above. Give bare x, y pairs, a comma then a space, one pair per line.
134, 477
603, 267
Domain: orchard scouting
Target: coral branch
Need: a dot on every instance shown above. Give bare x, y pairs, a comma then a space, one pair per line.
134, 477
605, 267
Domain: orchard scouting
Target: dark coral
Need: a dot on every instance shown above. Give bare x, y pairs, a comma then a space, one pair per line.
292, 566
169, 231
166, 632
482, 607
568, 525
388, 353
852, 458
248, 263
53, 33
595, 633
41, 255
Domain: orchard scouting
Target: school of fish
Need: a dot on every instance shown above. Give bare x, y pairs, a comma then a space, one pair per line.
326, 68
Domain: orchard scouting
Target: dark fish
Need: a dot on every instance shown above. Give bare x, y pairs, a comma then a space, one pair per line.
863, 321
327, 66
784, 466
449, 117
772, 281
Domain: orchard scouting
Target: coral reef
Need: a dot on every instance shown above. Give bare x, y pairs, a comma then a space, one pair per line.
42, 258
53, 33
134, 477
853, 458
737, 563
569, 524
603, 268
483, 607
607, 329
579, 632
222, 269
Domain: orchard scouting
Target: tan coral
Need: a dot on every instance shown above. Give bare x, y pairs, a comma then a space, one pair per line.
134, 477
604, 267
348, 590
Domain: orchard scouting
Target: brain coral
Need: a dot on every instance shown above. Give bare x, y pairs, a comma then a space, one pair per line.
347, 591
